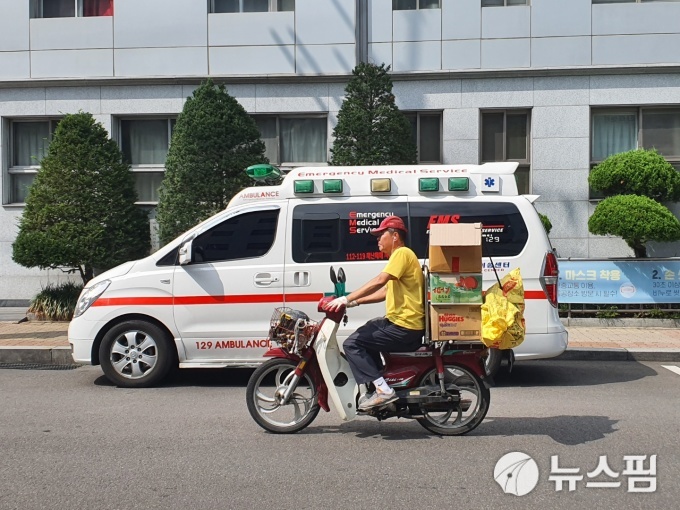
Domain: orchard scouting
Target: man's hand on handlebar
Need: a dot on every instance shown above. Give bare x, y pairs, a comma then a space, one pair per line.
338, 303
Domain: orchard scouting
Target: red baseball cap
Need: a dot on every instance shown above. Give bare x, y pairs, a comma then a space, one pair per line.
389, 222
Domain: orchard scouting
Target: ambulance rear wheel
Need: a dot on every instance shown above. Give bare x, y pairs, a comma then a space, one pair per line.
135, 354
492, 362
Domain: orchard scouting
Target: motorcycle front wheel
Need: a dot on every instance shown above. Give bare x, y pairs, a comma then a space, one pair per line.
473, 406
264, 394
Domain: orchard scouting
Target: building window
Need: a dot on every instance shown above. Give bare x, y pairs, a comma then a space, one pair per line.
294, 139
217, 6
616, 130
28, 143
70, 8
426, 132
145, 144
412, 5
505, 137
501, 3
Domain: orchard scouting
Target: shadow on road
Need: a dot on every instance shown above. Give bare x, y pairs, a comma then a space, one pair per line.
223, 377
572, 373
567, 430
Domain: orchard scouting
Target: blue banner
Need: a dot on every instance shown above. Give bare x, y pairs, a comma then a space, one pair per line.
619, 282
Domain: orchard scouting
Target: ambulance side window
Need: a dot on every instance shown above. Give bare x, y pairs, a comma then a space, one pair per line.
504, 233
243, 236
339, 232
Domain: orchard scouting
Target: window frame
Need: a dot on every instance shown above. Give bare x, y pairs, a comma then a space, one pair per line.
278, 117
418, 7
145, 168
524, 164
505, 4
37, 10
8, 198
273, 6
427, 113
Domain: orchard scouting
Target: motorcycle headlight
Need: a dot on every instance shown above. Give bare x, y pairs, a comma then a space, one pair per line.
89, 296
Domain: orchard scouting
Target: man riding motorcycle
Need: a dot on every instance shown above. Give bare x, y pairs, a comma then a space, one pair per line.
400, 284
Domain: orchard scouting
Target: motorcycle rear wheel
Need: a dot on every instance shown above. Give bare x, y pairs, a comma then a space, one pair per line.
474, 402
268, 382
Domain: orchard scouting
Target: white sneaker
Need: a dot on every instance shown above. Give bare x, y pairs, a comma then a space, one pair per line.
377, 399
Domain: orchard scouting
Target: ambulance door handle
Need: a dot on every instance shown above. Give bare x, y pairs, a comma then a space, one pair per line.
301, 278
264, 279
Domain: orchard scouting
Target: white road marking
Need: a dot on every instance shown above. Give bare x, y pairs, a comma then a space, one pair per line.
672, 368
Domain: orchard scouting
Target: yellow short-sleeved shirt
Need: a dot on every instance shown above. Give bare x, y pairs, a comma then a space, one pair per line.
404, 299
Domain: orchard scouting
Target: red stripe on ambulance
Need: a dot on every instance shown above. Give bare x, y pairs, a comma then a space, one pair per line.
237, 300
208, 300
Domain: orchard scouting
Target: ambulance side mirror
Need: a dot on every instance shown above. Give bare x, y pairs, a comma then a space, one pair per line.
185, 253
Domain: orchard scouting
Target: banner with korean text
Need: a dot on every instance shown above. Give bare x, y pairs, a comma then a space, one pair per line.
615, 282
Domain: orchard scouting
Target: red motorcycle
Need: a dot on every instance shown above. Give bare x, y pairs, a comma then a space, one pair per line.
441, 385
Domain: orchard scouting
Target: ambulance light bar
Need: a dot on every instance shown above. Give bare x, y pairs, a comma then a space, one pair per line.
332, 185
303, 186
263, 172
459, 183
428, 184
381, 185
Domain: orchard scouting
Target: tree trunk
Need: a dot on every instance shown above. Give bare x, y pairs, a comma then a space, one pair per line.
86, 273
639, 249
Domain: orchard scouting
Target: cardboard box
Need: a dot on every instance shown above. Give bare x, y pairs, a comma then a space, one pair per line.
455, 322
454, 288
455, 248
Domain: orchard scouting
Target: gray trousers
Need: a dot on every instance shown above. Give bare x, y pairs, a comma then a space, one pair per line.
363, 347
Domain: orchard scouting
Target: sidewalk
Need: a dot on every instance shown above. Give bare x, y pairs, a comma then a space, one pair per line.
47, 343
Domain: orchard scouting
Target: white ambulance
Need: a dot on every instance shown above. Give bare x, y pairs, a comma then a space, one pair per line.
206, 298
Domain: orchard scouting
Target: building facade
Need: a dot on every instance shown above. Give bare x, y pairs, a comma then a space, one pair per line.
557, 85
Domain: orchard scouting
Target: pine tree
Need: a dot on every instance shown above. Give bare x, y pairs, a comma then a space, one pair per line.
80, 211
371, 130
214, 141
636, 183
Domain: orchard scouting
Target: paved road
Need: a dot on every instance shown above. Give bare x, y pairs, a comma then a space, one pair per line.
71, 440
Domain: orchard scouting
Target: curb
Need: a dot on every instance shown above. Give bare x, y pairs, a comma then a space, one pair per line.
37, 355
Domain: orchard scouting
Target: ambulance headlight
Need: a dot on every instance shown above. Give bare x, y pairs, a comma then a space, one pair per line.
89, 296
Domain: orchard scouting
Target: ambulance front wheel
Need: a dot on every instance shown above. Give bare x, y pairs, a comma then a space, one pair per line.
135, 354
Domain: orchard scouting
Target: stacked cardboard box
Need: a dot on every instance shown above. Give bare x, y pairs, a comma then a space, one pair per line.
455, 283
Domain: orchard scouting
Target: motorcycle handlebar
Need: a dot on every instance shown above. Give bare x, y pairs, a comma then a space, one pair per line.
334, 316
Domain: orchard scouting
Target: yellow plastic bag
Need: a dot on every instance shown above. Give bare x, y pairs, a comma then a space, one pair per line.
512, 288
503, 324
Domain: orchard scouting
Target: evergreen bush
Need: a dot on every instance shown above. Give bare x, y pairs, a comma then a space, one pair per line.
547, 225
371, 130
635, 183
636, 219
214, 141
637, 172
80, 212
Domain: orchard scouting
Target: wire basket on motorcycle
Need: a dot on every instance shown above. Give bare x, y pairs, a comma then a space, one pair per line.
291, 329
